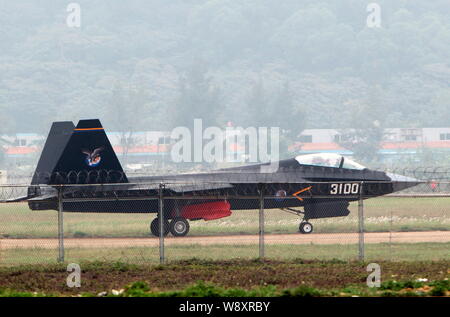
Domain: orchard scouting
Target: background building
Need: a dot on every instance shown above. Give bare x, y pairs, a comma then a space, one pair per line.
396, 144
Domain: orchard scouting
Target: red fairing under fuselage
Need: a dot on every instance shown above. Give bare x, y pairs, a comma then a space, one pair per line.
206, 211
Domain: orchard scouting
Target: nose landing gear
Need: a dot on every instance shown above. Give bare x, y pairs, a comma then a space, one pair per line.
305, 227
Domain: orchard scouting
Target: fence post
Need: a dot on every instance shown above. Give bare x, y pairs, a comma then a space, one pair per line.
60, 225
361, 222
161, 224
261, 224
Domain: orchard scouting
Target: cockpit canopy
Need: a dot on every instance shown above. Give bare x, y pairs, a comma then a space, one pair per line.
328, 160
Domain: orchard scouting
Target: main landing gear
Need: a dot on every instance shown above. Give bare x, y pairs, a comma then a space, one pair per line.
305, 226
178, 227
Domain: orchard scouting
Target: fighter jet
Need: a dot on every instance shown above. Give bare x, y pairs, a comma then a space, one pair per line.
79, 171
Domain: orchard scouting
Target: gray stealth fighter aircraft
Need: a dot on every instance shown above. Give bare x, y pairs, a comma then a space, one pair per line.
83, 159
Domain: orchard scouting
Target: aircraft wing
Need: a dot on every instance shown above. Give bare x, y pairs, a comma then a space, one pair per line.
224, 177
180, 188
13, 194
15, 199
211, 181
43, 197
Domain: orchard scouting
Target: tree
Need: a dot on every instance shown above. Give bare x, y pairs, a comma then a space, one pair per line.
127, 110
198, 98
258, 110
365, 129
290, 116
276, 109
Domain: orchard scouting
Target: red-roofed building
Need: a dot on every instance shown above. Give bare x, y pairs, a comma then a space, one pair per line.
396, 142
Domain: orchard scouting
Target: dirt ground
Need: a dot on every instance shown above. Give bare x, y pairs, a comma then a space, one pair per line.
245, 274
314, 238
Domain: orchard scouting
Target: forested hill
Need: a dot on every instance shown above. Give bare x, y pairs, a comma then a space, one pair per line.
156, 64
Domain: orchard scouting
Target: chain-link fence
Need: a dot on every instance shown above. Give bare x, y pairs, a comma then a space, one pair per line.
120, 222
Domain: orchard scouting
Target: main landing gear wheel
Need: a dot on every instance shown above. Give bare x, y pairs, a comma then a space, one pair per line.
306, 227
179, 227
154, 227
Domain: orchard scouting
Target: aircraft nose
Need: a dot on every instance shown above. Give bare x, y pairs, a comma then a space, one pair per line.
401, 182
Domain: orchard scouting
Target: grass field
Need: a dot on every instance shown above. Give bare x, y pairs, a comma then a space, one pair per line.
230, 278
381, 214
373, 252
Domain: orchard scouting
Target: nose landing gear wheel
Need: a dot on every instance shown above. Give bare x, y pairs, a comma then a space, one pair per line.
306, 227
179, 227
154, 227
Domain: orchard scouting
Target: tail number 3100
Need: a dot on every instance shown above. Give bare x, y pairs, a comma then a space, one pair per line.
344, 189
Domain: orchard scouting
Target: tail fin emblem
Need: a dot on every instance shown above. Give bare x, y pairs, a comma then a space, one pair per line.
93, 158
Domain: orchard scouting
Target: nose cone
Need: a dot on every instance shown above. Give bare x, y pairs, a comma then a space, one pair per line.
400, 182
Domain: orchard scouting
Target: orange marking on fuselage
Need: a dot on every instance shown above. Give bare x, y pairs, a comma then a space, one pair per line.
301, 191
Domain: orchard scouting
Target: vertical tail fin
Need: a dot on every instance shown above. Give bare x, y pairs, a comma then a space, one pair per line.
57, 139
87, 157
